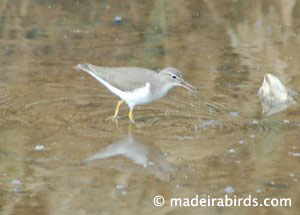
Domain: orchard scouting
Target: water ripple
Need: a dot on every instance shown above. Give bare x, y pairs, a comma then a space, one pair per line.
173, 118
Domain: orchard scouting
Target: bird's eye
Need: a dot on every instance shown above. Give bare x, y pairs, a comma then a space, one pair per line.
174, 76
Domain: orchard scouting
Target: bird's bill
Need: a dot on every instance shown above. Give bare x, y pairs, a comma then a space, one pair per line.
189, 87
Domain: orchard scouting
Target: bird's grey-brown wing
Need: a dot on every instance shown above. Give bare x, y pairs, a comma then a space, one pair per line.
123, 78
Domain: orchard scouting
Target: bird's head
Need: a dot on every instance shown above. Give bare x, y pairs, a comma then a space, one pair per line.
174, 77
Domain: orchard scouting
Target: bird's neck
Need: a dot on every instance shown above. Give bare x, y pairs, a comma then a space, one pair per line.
163, 90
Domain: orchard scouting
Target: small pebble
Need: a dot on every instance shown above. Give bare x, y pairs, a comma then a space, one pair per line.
120, 186
16, 182
294, 154
39, 148
255, 121
232, 151
229, 189
258, 190
241, 142
124, 193
286, 121
234, 113
118, 19
150, 163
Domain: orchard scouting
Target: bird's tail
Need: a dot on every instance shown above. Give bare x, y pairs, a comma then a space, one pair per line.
84, 67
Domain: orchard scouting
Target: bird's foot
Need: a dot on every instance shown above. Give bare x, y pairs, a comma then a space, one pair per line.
113, 118
130, 116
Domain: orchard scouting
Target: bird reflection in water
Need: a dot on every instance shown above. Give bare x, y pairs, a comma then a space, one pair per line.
141, 152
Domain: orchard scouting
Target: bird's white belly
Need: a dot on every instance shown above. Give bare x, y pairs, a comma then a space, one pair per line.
138, 96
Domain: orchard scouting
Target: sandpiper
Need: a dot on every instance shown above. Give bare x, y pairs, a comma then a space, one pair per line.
136, 86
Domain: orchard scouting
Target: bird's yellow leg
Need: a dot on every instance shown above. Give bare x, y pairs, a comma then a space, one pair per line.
117, 108
130, 115
114, 117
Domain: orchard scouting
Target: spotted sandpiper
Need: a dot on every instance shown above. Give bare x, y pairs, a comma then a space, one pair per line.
136, 86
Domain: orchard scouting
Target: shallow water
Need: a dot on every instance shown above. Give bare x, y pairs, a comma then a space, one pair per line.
52, 118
